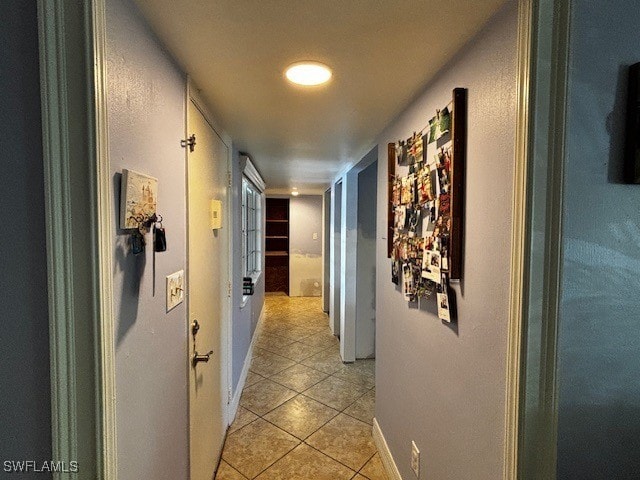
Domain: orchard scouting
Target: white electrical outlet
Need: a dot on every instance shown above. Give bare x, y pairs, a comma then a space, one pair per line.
175, 289
415, 459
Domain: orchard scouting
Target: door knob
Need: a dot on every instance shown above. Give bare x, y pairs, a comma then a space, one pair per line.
197, 358
195, 326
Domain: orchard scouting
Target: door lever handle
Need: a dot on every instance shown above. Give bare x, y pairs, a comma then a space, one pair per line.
197, 358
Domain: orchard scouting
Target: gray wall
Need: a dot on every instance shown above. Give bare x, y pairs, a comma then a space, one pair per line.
599, 337
445, 387
366, 262
25, 402
244, 316
305, 252
146, 95
326, 249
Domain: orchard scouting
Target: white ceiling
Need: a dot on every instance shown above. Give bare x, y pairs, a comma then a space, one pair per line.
382, 53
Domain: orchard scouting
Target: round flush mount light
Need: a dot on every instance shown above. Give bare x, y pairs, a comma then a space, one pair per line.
295, 192
308, 74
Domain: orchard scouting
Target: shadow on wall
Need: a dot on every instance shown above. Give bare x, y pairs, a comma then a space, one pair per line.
131, 268
616, 123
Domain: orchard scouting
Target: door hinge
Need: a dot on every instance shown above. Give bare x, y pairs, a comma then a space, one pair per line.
229, 396
189, 142
229, 178
229, 289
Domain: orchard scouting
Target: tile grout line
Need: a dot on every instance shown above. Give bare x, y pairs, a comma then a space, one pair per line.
367, 389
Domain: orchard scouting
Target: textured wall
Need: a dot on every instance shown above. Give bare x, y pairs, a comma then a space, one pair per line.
244, 317
445, 387
599, 337
25, 402
366, 261
146, 94
305, 252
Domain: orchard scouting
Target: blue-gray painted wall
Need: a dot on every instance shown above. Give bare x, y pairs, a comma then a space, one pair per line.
599, 329
445, 387
366, 261
25, 398
245, 315
146, 108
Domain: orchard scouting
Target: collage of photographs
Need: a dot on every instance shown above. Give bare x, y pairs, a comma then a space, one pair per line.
421, 201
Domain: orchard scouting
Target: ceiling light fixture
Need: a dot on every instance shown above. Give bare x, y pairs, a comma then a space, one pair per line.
295, 192
308, 73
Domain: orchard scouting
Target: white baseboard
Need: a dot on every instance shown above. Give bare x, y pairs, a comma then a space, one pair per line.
235, 401
385, 454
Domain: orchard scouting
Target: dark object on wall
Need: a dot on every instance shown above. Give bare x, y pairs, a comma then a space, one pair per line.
391, 172
459, 138
277, 245
159, 236
247, 286
632, 141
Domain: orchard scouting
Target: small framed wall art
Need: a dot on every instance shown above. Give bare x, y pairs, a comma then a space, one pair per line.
138, 199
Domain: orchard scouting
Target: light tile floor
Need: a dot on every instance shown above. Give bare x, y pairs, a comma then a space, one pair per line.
303, 415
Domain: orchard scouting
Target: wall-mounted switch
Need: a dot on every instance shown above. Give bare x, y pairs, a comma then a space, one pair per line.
175, 289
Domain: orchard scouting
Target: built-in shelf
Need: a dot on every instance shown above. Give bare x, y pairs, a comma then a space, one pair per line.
277, 245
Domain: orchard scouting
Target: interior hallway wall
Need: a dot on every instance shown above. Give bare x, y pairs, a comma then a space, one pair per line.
305, 246
599, 326
245, 311
442, 386
326, 249
25, 402
366, 261
146, 95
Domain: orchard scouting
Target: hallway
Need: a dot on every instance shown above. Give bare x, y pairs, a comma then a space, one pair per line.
303, 413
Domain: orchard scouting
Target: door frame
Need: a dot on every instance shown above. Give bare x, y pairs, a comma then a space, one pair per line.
192, 94
531, 431
74, 112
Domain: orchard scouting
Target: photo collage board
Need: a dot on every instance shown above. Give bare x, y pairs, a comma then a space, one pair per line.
427, 221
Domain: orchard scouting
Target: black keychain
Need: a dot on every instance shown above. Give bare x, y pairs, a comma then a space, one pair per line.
159, 237
137, 243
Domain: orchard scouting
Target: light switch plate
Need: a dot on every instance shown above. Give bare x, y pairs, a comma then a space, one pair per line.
315, 235
175, 289
216, 214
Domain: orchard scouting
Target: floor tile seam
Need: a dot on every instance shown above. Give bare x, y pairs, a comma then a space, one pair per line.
232, 468
269, 375
240, 428
327, 455
354, 418
277, 406
366, 463
299, 393
342, 463
317, 369
350, 381
294, 359
303, 439
275, 461
319, 401
352, 403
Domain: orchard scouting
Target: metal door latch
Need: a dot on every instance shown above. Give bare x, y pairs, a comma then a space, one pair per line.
197, 358
189, 142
